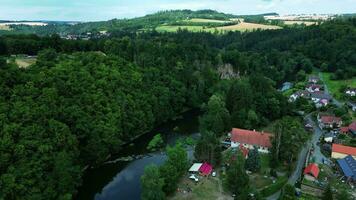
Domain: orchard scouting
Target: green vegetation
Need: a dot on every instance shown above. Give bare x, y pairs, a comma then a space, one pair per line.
253, 162
152, 184
156, 143
82, 100
237, 180
273, 188
336, 86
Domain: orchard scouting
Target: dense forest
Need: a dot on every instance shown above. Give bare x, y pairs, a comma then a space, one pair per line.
83, 99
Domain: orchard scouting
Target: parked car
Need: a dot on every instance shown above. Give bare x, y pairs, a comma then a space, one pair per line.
193, 177
213, 174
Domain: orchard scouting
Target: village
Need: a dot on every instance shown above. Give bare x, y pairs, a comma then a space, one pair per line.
325, 163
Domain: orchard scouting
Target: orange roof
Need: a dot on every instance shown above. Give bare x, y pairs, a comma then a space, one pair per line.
251, 137
344, 129
344, 149
330, 119
312, 169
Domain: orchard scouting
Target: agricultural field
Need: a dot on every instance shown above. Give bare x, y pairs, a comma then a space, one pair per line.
200, 20
335, 85
4, 27
307, 23
243, 26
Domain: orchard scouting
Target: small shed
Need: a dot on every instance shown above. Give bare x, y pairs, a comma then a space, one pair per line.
205, 169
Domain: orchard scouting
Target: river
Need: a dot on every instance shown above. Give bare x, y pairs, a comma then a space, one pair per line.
121, 180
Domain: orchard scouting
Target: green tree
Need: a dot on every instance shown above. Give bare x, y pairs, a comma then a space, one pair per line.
253, 162
328, 194
288, 193
236, 178
208, 148
152, 184
156, 143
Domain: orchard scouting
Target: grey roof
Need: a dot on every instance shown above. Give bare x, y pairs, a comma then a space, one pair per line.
320, 95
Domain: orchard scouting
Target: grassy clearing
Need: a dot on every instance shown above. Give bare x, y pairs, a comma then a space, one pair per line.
299, 22
25, 62
335, 85
207, 188
200, 20
175, 28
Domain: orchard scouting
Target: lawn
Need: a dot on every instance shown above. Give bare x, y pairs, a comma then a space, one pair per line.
206, 188
335, 85
175, 28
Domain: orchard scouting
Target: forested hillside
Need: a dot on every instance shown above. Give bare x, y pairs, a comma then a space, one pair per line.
83, 99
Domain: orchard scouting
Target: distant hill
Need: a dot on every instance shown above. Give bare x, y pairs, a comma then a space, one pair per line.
147, 22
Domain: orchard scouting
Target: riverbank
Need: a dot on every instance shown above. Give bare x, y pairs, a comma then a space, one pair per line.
121, 179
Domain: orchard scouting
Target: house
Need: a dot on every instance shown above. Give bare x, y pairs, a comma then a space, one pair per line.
329, 137
317, 96
351, 92
244, 151
347, 166
339, 151
311, 172
313, 88
322, 103
286, 86
313, 79
329, 121
203, 169
300, 93
344, 130
251, 139
352, 128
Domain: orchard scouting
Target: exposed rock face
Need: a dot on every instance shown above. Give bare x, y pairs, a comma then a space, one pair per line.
226, 71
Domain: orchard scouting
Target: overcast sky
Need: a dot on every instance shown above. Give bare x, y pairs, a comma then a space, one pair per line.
96, 10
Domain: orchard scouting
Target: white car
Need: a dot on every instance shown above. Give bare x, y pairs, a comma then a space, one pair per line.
193, 177
213, 174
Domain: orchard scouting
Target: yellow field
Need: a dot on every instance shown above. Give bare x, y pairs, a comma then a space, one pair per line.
4, 27
244, 26
200, 20
299, 22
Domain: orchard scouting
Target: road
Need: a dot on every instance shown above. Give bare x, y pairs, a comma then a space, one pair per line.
317, 133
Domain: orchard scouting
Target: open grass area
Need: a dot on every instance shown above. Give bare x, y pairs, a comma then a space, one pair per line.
335, 85
243, 26
206, 188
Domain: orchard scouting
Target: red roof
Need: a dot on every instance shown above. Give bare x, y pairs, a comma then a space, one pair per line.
251, 137
344, 129
352, 126
344, 149
330, 119
312, 169
205, 169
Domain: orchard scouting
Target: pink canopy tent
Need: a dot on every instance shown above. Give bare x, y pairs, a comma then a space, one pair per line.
205, 169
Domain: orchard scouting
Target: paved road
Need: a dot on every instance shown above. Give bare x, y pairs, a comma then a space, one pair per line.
317, 133
326, 91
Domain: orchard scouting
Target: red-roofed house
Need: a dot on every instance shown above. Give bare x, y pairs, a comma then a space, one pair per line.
311, 172
313, 88
205, 169
340, 151
352, 128
329, 121
344, 130
244, 151
251, 139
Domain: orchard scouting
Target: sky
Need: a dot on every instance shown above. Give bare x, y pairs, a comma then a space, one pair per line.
98, 10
